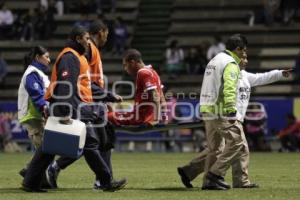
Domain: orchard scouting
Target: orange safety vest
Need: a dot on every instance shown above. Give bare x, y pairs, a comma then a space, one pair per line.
83, 83
96, 69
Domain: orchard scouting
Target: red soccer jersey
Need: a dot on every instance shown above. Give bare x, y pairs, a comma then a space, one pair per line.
147, 79
143, 112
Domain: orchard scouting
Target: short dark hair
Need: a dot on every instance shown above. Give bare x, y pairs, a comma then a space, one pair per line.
97, 26
35, 51
132, 54
77, 31
236, 41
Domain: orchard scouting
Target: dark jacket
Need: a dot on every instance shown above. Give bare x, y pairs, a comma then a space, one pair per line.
68, 70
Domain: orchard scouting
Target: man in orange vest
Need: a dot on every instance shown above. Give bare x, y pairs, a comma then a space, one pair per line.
70, 84
98, 36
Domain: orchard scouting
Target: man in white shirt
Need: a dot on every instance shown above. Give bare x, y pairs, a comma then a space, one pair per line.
6, 20
247, 80
217, 47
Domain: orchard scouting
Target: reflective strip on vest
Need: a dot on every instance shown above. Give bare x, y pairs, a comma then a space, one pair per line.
26, 108
212, 81
83, 83
96, 68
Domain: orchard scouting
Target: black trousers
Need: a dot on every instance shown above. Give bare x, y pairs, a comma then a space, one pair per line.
63, 162
91, 153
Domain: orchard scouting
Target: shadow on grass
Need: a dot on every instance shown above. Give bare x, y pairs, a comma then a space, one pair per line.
59, 190
165, 189
11, 190
72, 189
19, 190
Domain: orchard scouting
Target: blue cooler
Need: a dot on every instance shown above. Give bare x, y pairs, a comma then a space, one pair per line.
64, 139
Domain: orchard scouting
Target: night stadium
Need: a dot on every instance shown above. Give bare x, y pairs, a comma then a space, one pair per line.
149, 99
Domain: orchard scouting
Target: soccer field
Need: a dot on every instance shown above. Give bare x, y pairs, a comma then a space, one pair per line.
154, 176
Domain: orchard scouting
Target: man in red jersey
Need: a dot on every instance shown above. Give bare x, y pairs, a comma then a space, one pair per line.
149, 101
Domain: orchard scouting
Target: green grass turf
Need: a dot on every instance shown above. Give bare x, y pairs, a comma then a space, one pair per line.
154, 176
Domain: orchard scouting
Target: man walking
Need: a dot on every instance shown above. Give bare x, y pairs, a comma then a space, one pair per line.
98, 35
226, 142
246, 81
72, 67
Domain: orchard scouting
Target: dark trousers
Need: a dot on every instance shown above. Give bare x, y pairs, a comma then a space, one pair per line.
63, 162
92, 155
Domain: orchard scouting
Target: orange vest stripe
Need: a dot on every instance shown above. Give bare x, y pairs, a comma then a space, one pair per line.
96, 66
83, 83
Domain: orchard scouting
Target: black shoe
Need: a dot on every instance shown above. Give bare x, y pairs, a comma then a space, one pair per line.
98, 186
30, 189
250, 186
115, 185
217, 179
44, 182
51, 176
213, 186
184, 179
22, 172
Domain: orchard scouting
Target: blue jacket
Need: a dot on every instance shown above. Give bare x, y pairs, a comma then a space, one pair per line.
35, 86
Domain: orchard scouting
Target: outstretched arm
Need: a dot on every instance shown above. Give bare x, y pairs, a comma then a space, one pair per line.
267, 77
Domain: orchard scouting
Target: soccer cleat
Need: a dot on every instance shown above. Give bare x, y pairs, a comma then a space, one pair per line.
51, 176
115, 185
184, 179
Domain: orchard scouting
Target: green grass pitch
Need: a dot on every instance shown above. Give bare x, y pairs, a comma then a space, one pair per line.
154, 176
